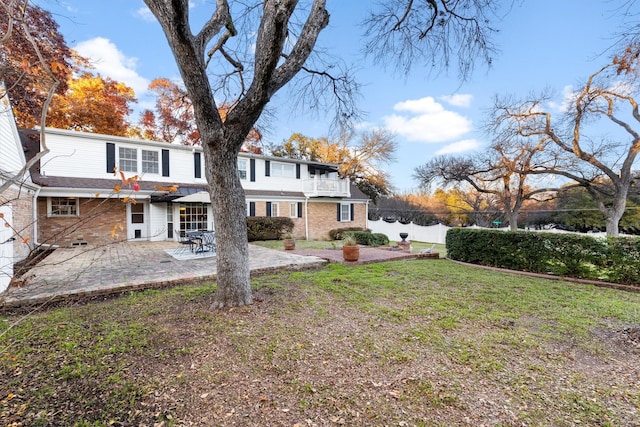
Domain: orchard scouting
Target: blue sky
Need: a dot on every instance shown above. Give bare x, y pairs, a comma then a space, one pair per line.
543, 44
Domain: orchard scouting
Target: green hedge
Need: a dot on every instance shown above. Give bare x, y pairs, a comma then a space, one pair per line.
267, 227
362, 236
340, 233
368, 238
611, 259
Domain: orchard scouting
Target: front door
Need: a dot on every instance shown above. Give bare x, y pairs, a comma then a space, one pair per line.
136, 221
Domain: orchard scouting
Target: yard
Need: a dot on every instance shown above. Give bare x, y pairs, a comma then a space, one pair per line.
404, 343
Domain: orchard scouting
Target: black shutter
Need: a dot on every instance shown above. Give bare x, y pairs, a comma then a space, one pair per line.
297, 170
165, 162
268, 208
351, 211
111, 157
252, 170
338, 218
197, 165
299, 209
267, 168
252, 208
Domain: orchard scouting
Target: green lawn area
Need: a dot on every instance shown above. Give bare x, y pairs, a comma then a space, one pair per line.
403, 343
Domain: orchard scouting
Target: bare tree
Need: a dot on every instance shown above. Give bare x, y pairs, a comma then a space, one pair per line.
501, 172
399, 33
282, 36
603, 166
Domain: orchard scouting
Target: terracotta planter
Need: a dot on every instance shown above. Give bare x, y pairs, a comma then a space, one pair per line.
351, 253
289, 244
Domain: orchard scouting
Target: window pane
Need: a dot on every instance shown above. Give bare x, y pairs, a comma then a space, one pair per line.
150, 162
242, 169
293, 210
63, 206
128, 160
274, 209
283, 169
345, 213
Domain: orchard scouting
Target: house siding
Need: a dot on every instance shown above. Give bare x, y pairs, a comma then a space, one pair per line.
79, 161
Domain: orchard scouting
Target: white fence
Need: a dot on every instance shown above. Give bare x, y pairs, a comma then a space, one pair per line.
438, 233
432, 234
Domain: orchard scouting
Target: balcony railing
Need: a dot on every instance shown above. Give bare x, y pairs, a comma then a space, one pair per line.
326, 188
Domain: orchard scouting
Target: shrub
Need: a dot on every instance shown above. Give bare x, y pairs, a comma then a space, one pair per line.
268, 228
339, 233
368, 238
583, 256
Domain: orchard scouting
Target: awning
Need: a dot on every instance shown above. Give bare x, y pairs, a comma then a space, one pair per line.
200, 197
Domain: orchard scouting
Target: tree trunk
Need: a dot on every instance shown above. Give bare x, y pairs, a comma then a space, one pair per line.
613, 216
229, 213
513, 221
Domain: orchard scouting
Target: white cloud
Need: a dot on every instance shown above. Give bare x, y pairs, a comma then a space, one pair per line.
568, 97
458, 100
111, 62
459, 147
427, 121
145, 14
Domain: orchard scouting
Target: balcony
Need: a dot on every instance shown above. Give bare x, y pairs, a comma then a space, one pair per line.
318, 187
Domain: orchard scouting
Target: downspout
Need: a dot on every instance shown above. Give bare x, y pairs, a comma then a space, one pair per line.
306, 218
35, 218
366, 218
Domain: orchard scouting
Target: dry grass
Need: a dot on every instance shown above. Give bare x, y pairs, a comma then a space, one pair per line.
409, 343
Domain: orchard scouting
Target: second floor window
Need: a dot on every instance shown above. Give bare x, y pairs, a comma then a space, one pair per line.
242, 169
128, 159
283, 169
150, 163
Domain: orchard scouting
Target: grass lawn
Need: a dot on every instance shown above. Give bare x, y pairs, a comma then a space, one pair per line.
403, 343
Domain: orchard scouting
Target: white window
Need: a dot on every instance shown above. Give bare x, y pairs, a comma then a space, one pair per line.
150, 163
345, 212
128, 159
242, 169
283, 169
63, 206
274, 209
293, 210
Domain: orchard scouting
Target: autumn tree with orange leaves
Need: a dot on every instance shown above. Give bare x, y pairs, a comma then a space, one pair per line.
93, 104
35, 61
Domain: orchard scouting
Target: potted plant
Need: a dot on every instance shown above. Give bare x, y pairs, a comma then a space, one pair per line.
350, 249
289, 242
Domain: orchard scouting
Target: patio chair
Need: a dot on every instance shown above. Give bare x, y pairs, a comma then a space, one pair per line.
209, 241
184, 241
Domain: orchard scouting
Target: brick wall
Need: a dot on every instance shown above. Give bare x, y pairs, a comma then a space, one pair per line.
323, 218
22, 223
96, 222
283, 211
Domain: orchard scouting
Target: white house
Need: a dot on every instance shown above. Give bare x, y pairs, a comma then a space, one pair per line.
16, 198
78, 202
